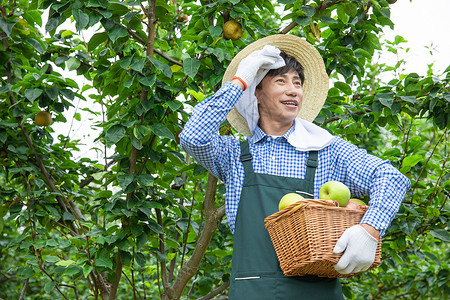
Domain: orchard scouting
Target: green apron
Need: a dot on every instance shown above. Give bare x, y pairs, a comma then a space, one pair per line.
256, 273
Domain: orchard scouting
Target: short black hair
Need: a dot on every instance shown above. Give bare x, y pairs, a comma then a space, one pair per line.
290, 64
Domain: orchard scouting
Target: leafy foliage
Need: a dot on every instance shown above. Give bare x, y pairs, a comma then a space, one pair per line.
147, 221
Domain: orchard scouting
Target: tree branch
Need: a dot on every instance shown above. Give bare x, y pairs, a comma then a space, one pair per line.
215, 292
211, 222
323, 6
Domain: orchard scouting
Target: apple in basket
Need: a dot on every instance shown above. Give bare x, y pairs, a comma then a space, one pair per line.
288, 199
336, 191
354, 203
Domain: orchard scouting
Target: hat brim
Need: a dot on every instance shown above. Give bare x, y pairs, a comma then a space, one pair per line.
315, 87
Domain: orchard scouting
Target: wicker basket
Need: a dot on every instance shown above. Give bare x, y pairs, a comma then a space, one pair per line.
304, 237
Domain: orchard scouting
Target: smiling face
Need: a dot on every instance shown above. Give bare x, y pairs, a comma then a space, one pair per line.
279, 101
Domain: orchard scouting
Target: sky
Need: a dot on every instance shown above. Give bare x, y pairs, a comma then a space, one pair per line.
423, 23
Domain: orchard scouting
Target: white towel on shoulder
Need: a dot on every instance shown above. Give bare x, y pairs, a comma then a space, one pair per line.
308, 136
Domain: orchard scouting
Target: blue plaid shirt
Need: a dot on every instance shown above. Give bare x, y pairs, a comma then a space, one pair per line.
363, 173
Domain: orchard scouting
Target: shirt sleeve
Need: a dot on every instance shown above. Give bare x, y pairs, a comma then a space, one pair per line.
200, 137
366, 174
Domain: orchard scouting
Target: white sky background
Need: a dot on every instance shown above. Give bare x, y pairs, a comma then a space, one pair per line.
423, 23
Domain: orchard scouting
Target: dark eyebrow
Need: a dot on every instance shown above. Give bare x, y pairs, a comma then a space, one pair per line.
284, 76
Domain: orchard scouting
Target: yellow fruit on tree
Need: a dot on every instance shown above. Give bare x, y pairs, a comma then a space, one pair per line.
232, 30
43, 118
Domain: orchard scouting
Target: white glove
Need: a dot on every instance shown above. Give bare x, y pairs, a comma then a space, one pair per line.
360, 248
260, 59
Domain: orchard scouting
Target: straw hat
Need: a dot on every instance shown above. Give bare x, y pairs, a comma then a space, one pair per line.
315, 87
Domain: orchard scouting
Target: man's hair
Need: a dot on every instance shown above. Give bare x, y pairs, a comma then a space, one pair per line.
291, 64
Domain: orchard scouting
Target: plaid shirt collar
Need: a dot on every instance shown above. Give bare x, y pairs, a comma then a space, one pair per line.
261, 135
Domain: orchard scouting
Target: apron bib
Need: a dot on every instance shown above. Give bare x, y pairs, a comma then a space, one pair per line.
256, 273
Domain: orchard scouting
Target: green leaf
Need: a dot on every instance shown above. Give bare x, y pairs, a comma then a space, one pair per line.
141, 240
408, 226
136, 143
199, 169
145, 179
72, 270
73, 63
137, 64
33, 16
67, 216
125, 180
140, 259
410, 99
303, 20
164, 68
215, 31
411, 161
114, 134
191, 66
117, 32
32, 94
25, 272
51, 259
53, 22
386, 99
350, 8
343, 87
81, 18
362, 52
441, 234
124, 245
87, 269
65, 263
174, 105
162, 131
36, 45
6, 27
97, 39
392, 152
49, 286
125, 62
147, 80
155, 227
308, 10
327, 20
52, 93
104, 261
342, 14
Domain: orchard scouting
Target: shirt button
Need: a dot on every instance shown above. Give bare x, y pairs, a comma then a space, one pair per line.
208, 108
269, 138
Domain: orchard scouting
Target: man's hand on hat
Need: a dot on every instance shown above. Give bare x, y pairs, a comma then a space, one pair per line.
360, 248
260, 59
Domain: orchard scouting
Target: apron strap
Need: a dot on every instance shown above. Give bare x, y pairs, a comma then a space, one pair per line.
246, 157
311, 164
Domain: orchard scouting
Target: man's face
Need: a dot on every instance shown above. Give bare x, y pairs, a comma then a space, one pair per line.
280, 98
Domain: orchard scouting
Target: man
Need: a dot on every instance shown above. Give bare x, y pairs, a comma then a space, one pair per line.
272, 97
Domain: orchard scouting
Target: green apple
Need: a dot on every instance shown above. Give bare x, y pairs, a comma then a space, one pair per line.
354, 203
288, 199
335, 190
